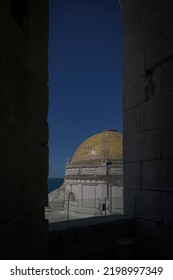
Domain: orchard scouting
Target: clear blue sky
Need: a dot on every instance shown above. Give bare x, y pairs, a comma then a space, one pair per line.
85, 74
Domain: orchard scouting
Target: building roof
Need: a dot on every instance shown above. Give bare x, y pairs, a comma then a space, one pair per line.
105, 146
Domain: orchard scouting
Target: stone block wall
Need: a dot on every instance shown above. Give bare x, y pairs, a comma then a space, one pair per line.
23, 128
148, 123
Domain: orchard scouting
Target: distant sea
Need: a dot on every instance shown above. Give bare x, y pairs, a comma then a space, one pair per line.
54, 183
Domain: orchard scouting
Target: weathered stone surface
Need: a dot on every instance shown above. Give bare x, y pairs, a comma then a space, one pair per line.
167, 204
5, 109
148, 152
156, 80
151, 144
132, 120
37, 98
157, 112
133, 67
44, 15
13, 175
148, 205
166, 15
131, 14
18, 41
157, 174
158, 50
23, 175
18, 239
132, 147
38, 132
4, 7
14, 92
166, 76
23, 122
143, 146
134, 93
37, 171
130, 202
167, 140
38, 32
153, 241
142, 34
132, 175
148, 6
37, 110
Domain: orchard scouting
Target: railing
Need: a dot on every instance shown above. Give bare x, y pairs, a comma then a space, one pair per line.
65, 210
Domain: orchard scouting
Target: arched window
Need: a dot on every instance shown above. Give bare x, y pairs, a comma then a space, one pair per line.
72, 197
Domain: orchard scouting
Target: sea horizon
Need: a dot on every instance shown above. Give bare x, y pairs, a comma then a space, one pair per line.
54, 183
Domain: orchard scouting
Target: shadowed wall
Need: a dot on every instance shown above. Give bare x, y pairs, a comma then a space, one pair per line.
148, 123
23, 128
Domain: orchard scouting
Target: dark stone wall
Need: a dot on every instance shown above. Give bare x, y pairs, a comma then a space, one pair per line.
93, 238
148, 123
23, 128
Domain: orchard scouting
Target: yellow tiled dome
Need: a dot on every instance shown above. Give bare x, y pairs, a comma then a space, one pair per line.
106, 145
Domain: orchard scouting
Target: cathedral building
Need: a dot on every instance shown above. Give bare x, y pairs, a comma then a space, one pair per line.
94, 176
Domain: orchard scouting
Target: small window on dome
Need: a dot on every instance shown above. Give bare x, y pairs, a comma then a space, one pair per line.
72, 197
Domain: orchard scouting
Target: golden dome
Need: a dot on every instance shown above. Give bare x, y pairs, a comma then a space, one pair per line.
106, 145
